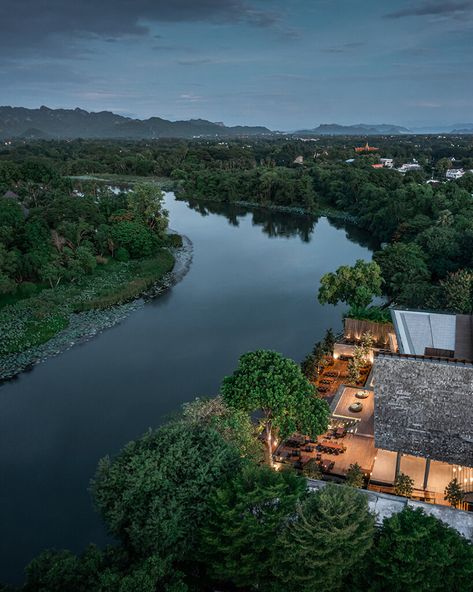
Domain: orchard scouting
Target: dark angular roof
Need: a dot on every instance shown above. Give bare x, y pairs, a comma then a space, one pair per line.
11, 195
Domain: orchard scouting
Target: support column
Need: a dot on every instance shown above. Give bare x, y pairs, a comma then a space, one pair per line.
398, 464
426, 473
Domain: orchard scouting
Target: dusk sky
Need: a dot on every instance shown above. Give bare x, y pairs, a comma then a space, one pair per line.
284, 64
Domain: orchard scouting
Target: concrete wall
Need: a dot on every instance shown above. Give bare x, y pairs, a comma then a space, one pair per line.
424, 408
384, 505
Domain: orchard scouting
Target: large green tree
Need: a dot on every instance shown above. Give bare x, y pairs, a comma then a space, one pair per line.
355, 285
146, 202
273, 386
246, 514
419, 553
234, 425
153, 495
328, 537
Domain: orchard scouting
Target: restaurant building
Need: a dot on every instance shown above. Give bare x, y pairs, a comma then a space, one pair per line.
423, 394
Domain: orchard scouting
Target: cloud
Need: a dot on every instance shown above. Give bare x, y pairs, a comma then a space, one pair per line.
190, 98
54, 26
446, 8
197, 62
345, 48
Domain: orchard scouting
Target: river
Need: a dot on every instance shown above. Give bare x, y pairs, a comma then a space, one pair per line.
252, 284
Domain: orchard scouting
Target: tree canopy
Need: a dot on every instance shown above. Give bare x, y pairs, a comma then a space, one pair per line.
153, 495
246, 514
329, 536
355, 285
416, 552
274, 386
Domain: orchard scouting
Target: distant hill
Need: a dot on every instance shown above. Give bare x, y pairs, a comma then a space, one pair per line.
359, 129
462, 128
77, 123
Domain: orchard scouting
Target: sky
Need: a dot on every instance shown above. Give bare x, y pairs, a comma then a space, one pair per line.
286, 64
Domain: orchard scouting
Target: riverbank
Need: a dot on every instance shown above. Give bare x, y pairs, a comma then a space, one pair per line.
322, 211
81, 318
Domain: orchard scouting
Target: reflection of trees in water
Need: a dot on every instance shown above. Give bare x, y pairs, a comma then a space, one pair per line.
230, 211
284, 224
355, 234
274, 223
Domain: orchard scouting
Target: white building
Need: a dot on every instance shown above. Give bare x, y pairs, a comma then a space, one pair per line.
409, 166
453, 174
387, 162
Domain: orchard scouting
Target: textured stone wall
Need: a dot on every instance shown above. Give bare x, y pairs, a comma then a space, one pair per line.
424, 408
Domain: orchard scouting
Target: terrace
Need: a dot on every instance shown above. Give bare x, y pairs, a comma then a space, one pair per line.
334, 451
435, 341
335, 375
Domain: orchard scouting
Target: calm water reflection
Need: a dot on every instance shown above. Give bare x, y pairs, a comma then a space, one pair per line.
252, 285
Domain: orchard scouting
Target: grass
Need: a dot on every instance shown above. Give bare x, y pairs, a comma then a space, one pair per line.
26, 322
140, 276
123, 179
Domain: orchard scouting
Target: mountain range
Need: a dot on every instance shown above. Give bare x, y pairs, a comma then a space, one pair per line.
46, 123
359, 129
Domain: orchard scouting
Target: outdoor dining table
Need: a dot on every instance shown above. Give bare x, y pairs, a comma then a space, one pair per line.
327, 465
333, 445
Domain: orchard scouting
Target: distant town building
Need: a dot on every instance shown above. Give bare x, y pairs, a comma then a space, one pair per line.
378, 166
366, 148
299, 160
350, 160
387, 162
453, 174
409, 166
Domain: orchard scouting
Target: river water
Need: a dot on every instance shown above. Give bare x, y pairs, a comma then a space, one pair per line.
252, 284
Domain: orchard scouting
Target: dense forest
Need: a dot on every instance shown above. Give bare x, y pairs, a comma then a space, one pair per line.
64, 250
426, 229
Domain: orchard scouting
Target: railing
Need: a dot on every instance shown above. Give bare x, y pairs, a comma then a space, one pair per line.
457, 361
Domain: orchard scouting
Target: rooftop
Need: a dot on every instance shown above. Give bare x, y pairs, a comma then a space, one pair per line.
434, 334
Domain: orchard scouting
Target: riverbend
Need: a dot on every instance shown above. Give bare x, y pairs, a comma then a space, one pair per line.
252, 284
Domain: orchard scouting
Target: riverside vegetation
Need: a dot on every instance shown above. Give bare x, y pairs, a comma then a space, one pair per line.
192, 507
64, 252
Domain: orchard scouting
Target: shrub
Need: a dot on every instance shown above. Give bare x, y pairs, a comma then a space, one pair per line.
27, 289
403, 485
174, 241
135, 237
121, 254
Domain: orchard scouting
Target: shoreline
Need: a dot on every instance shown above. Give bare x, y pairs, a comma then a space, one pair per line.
326, 212
84, 326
